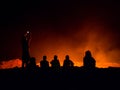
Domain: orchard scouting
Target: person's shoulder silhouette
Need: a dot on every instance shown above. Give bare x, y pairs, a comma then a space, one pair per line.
44, 63
67, 62
88, 60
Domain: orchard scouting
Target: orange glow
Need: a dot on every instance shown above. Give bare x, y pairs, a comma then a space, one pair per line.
102, 58
92, 36
11, 64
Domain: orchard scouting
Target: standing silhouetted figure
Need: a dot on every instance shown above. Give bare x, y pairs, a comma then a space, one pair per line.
25, 49
88, 61
44, 64
55, 64
67, 63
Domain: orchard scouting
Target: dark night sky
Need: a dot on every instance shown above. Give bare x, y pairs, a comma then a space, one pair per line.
61, 27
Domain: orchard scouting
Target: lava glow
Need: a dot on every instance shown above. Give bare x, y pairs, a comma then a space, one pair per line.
91, 36
11, 64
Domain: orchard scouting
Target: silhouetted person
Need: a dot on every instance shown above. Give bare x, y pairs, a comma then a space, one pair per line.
25, 49
44, 64
55, 64
67, 62
88, 61
32, 64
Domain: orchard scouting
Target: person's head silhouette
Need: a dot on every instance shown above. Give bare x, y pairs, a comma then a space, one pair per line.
44, 58
88, 53
67, 57
55, 57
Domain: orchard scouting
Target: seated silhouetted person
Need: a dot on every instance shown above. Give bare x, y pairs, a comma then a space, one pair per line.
55, 64
44, 64
67, 63
32, 64
88, 61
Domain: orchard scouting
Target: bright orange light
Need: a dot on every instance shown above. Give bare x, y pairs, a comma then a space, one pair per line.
92, 36
11, 64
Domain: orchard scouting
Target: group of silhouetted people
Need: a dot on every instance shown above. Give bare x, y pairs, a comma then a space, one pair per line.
88, 62
27, 61
55, 64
